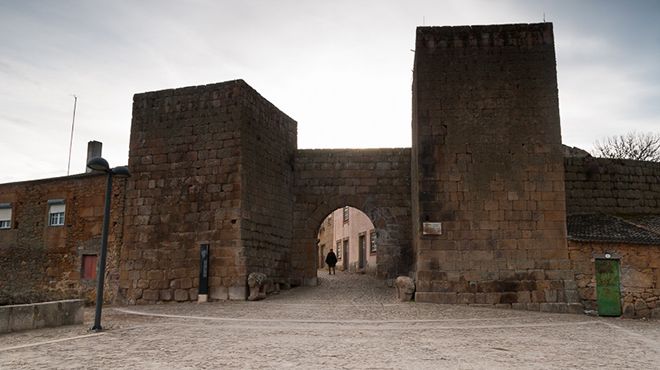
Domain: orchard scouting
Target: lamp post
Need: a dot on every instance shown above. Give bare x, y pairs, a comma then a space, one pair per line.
100, 164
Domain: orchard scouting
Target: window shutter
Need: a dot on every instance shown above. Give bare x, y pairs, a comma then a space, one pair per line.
57, 208
5, 214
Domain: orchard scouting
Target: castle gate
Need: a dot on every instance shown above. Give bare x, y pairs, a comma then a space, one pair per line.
376, 181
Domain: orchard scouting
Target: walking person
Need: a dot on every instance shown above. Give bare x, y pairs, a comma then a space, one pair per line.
331, 260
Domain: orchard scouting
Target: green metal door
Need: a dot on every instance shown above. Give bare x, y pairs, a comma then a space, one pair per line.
608, 294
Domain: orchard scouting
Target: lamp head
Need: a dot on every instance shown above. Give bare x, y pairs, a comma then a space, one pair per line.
98, 164
121, 171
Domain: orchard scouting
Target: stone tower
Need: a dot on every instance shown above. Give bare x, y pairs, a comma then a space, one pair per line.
487, 168
211, 165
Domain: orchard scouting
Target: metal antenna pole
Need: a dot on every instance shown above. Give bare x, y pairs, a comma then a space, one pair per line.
73, 122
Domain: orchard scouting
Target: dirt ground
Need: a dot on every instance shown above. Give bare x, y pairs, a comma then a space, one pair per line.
349, 321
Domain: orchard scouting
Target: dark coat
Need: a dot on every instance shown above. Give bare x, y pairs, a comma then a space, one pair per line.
331, 259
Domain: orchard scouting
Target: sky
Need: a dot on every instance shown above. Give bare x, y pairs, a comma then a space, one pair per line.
341, 69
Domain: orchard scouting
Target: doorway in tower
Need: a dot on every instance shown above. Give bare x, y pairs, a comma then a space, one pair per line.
351, 235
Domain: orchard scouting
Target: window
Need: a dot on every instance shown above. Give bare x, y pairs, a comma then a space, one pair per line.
5, 215
372, 241
56, 210
346, 214
89, 266
339, 254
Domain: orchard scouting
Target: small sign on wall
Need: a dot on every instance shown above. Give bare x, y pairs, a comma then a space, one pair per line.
432, 228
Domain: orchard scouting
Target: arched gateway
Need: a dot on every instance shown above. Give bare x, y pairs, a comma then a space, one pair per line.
218, 165
376, 181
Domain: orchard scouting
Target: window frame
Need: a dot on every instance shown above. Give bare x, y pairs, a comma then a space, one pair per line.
6, 224
373, 247
56, 218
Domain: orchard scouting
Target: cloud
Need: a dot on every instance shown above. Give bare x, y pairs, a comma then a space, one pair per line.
342, 69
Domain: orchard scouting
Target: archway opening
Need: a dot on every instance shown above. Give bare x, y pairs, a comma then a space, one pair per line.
351, 235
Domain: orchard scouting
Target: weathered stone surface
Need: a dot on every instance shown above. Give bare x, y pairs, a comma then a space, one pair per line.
259, 285
150, 295
628, 309
219, 292
405, 288
633, 278
41, 263
165, 295
180, 295
47, 314
5, 314
487, 164
22, 317
237, 293
554, 307
655, 312
436, 297
39, 315
533, 306
614, 186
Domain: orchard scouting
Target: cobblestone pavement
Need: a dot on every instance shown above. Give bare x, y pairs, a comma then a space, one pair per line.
348, 321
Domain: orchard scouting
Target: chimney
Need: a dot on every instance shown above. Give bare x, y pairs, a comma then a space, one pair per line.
93, 150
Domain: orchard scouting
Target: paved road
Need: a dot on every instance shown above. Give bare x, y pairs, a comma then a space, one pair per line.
349, 321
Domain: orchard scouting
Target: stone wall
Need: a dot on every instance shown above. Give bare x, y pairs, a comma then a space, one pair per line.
612, 186
375, 181
40, 262
640, 275
268, 143
185, 152
41, 315
488, 165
